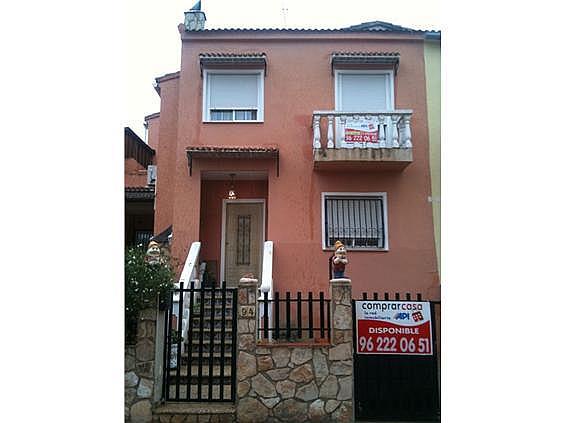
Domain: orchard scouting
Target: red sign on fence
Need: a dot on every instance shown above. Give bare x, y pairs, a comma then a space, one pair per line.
393, 327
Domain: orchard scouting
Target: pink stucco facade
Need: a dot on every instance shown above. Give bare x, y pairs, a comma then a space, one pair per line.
298, 81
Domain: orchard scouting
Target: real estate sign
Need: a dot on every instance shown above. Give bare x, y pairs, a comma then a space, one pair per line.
361, 131
393, 327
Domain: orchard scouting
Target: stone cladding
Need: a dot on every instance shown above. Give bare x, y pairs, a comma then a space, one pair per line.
140, 370
295, 382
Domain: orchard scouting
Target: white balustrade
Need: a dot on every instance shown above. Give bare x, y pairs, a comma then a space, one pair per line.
393, 129
266, 286
330, 132
316, 132
189, 274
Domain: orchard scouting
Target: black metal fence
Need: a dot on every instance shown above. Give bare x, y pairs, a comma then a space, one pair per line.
386, 297
296, 319
202, 366
398, 387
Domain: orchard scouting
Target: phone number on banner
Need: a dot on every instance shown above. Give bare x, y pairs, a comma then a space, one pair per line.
394, 344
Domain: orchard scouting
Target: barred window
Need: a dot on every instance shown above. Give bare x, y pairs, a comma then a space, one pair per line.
356, 221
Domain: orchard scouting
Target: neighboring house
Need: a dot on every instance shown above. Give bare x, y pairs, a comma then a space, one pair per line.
433, 81
139, 190
260, 138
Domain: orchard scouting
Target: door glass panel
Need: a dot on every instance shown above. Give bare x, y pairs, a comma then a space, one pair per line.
244, 239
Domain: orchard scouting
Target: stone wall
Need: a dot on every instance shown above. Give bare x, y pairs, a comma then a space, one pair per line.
140, 370
295, 382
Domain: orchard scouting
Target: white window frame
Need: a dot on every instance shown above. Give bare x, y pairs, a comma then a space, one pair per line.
206, 115
389, 91
382, 195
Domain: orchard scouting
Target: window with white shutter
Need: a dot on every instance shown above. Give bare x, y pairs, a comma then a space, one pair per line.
359, 221
235, 96
364, 91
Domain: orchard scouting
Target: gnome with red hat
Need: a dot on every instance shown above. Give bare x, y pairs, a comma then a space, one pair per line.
339, 260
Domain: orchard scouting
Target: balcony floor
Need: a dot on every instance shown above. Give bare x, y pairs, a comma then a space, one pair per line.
370, 159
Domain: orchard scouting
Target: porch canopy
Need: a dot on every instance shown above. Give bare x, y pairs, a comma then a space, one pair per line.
213, 152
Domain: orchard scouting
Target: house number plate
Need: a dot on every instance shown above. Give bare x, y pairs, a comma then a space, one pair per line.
247, 311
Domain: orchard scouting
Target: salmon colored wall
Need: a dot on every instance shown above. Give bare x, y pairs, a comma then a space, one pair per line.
135, 173
166, 155
153, 133
213, 194
299, 81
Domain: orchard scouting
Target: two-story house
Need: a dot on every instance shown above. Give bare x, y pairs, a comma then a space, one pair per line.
301, 137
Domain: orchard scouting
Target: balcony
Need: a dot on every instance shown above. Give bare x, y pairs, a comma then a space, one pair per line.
376, 141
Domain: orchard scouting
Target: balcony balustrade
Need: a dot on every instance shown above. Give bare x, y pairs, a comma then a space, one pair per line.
372, 140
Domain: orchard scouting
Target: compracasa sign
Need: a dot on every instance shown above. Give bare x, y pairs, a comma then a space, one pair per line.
393, 327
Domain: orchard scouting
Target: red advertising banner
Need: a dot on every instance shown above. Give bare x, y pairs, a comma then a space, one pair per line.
393, 327
361, 131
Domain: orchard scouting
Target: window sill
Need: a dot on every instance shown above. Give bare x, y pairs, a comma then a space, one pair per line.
371, 250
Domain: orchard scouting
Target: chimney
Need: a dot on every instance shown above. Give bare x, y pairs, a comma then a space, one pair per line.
195, 19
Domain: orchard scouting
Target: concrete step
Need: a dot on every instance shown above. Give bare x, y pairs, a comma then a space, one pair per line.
206, 355
207, 339
194, 392
206, 342
195, 408
216, 370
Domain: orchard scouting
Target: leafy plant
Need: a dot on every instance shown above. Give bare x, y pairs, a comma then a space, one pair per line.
144, 284
175, 337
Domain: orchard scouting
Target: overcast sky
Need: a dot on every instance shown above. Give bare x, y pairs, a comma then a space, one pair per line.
153, 41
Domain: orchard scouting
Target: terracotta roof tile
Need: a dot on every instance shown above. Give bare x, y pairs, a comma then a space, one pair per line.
366, 53
139, 193
233, 55
373, 26
140, 189
232, 149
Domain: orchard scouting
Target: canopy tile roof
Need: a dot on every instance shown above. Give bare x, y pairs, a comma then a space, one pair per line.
139, 193
222, 59
231, 152
365, 58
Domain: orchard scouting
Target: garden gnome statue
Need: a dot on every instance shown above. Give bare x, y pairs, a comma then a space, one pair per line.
339, 260
153, 254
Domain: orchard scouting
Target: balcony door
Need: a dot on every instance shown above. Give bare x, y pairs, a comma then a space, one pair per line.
361, 91
243, 239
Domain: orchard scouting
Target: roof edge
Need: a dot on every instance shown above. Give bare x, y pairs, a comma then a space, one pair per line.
138, 140
152, 116
167, 76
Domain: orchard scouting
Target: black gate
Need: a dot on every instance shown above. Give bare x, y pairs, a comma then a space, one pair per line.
200, 344
397, 387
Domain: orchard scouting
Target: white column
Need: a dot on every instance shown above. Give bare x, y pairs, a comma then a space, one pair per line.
316, 132
341, 134
407, 132
382, 131
330, 132
395, 135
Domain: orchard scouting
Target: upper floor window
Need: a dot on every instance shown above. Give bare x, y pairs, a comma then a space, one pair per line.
233, 96
364, 90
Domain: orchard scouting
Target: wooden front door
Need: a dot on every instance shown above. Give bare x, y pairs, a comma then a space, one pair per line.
244, 239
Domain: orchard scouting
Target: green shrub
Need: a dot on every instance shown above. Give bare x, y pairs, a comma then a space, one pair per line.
144, 284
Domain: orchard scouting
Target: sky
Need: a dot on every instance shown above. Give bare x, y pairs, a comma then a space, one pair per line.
153, 41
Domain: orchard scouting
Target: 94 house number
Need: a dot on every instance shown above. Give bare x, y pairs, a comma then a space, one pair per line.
388, 344
247, 311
